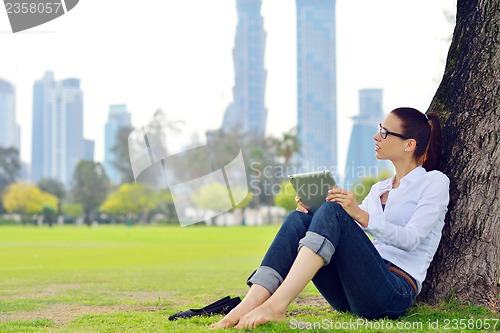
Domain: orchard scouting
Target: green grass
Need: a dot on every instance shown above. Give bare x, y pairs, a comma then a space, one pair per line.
130, 279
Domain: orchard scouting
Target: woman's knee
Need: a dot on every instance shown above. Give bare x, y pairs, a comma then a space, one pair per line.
328, 210
331, 213
297, 220
332, 207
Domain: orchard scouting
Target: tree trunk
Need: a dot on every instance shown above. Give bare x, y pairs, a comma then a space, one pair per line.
88, 217
144, 217
467, 263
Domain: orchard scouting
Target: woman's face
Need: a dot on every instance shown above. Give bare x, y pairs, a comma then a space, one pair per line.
392, 147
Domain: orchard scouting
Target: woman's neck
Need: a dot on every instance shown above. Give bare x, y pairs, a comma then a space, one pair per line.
402, 169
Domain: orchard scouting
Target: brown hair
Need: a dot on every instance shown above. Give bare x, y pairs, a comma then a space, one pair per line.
426, 130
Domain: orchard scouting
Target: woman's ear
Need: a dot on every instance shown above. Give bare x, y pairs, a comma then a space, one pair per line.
411, 145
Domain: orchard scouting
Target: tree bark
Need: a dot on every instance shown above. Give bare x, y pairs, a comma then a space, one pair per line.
466, 266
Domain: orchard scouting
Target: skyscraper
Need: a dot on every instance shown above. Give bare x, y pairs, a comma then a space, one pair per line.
361, 161
316, 81
118, 118
58, 143
247, 113
88, 149
9, 130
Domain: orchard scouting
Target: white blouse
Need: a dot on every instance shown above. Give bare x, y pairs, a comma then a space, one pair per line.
407, 232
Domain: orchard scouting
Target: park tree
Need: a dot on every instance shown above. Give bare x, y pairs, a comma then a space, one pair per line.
49, 214
239, 192
121, 159
54, 187
286, 196
26, 199
158, 129
263, 167
288, 146
166, 205
72, 210
222, 149
215, 197
133, 198
162, 124
363, 185
90, 187
467, 263
10, 166
206, 197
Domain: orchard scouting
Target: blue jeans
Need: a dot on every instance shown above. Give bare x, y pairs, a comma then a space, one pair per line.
355, 277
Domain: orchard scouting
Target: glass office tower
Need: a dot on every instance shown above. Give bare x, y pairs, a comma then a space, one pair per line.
247, 114
118, 118
9, 129
316, 80
57, 140
361, 161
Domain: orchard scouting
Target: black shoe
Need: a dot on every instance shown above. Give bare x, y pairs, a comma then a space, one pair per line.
222, 306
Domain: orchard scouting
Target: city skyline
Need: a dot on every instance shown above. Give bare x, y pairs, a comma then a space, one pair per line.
247, 113
164, 67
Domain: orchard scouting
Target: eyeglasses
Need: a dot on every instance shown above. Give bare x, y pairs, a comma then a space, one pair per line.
384, 132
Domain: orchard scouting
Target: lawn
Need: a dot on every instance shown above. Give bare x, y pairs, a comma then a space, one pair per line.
130, 279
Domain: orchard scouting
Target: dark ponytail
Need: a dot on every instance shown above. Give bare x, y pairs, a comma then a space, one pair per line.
426, 130
432, 155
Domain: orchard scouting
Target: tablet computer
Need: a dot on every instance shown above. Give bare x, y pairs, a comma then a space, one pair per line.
312, 187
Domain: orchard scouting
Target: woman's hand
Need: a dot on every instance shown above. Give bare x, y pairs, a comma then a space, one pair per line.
347, 200
300, 205
344, 198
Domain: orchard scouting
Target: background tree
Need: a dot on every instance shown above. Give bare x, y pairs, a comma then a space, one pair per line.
54, 187
10, 166
209, 197
363, 185
26, 199
49, 214
467, 262
221, 149
206, 198
159, 127
264, 169
238, 192
137, 199
166, 206
286, 197
161, 123
288, 146
265, 160
121, 155
90, 187
72, 210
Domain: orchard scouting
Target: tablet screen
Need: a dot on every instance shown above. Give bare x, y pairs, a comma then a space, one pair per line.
312, 187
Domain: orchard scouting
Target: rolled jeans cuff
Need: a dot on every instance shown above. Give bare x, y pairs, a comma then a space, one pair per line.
319, 244
266, 277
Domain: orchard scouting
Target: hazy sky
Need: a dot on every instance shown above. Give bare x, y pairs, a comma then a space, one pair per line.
177, 56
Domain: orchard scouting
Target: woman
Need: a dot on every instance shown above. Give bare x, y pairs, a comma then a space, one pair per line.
404, 214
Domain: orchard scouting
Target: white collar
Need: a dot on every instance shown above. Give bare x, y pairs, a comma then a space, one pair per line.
412, 176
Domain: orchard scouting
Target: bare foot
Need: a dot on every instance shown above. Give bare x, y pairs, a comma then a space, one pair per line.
255, 297
265, 313
235, 314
